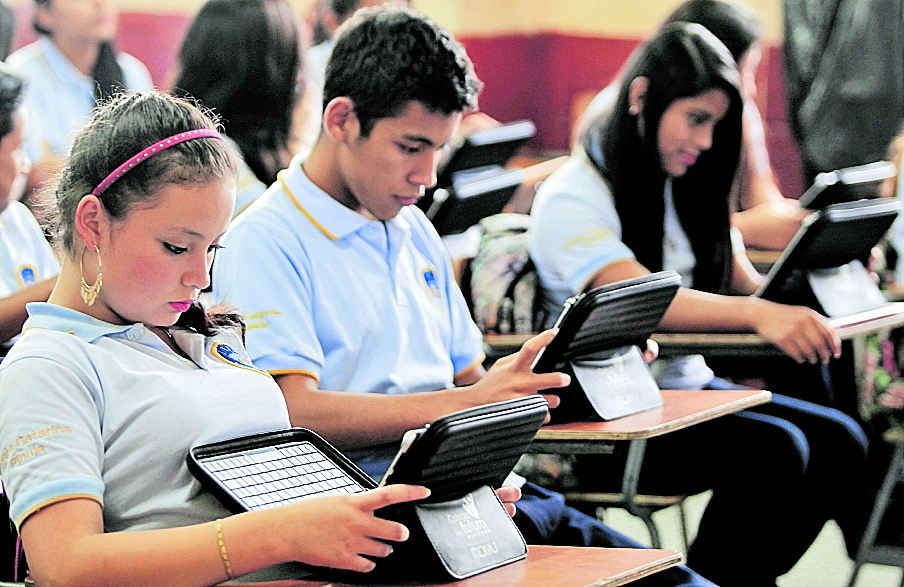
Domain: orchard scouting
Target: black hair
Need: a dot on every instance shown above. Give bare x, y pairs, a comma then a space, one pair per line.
12, 87
733, 23
681, 61
343, 8
106, 73
242, 59
119, 129
388, 56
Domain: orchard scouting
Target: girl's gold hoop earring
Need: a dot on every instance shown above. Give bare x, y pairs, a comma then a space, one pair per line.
89, 292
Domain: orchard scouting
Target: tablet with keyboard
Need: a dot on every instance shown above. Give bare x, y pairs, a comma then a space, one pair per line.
452, 456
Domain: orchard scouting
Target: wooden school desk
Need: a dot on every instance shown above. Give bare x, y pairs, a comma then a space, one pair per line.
728, 344
679, 409
545, 566
734, 344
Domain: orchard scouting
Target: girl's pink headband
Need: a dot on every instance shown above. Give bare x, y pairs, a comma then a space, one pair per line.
151, 151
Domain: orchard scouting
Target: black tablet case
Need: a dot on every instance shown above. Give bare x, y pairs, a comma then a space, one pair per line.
486, 147
457, 208
462, 529
826, 259
606, 325
847, 185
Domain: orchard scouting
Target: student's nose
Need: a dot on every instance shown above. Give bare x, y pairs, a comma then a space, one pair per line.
198, 274
704, 137
424, 173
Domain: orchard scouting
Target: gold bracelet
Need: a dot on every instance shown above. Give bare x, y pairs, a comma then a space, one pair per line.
226, 564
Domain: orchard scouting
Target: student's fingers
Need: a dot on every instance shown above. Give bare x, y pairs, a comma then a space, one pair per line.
651, 352
389, 495
525, 357
508, 494
552, 400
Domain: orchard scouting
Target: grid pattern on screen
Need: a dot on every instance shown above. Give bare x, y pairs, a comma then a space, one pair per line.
276, 475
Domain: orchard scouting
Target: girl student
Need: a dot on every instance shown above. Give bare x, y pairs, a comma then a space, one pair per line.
122, 371
648, 189
71, 67
765, 218
244, 60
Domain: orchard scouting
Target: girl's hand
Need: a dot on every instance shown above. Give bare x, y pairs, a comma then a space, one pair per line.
339, 531
508, 495
800, 332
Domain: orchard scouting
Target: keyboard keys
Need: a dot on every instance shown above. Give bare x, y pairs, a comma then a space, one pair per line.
281, 474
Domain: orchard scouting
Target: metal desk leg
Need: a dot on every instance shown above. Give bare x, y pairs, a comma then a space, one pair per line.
629, 488
868, 551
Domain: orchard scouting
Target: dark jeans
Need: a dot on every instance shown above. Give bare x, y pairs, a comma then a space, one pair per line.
543, 518
778, 472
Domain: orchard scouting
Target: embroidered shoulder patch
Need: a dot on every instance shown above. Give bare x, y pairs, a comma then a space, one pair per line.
430, 282
27, 276
227, 354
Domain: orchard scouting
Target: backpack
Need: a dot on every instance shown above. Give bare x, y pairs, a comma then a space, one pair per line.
501, 283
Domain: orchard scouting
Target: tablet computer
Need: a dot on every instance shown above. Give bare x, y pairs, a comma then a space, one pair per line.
452, 456
830, 238
847, 185
455, 209
601, 334
619, 314
485, 148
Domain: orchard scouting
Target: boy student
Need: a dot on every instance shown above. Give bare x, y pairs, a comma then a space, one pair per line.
347, 290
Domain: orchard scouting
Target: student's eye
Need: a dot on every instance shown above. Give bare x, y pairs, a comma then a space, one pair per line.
697, 119
408, 149
214, 248
174, 249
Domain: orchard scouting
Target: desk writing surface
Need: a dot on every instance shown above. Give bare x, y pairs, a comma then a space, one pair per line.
546, 566
730, 343
748, 344
679, 409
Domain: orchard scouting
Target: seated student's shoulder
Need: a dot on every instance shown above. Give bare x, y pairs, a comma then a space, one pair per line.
576, 179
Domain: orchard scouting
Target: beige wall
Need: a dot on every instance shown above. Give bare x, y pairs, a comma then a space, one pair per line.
620, 18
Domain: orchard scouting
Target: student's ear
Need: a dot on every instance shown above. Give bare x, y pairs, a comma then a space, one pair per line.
339, 120
637, 93
90, 220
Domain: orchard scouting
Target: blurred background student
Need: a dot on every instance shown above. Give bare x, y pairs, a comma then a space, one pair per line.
765, 218
28, 267
70, 68
244, 60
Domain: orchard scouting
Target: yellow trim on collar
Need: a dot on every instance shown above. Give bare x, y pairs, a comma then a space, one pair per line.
285, 187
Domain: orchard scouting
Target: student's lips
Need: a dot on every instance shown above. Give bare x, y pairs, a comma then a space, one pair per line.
407, 200
180, 306
688, 159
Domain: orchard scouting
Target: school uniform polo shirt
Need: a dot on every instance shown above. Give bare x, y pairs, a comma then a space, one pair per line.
109, 412
360, 305
577, 232
59, 98
25, 255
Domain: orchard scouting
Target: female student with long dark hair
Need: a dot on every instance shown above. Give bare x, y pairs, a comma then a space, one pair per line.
649, 190
243, 59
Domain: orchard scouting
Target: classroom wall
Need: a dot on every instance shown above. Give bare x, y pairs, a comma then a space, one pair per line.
538, 59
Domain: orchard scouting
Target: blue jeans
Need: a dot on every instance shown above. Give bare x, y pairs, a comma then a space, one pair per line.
778, 472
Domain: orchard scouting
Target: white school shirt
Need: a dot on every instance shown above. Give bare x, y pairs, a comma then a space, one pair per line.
360, 305
577, 231
59, 97
109, 412
26, 257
